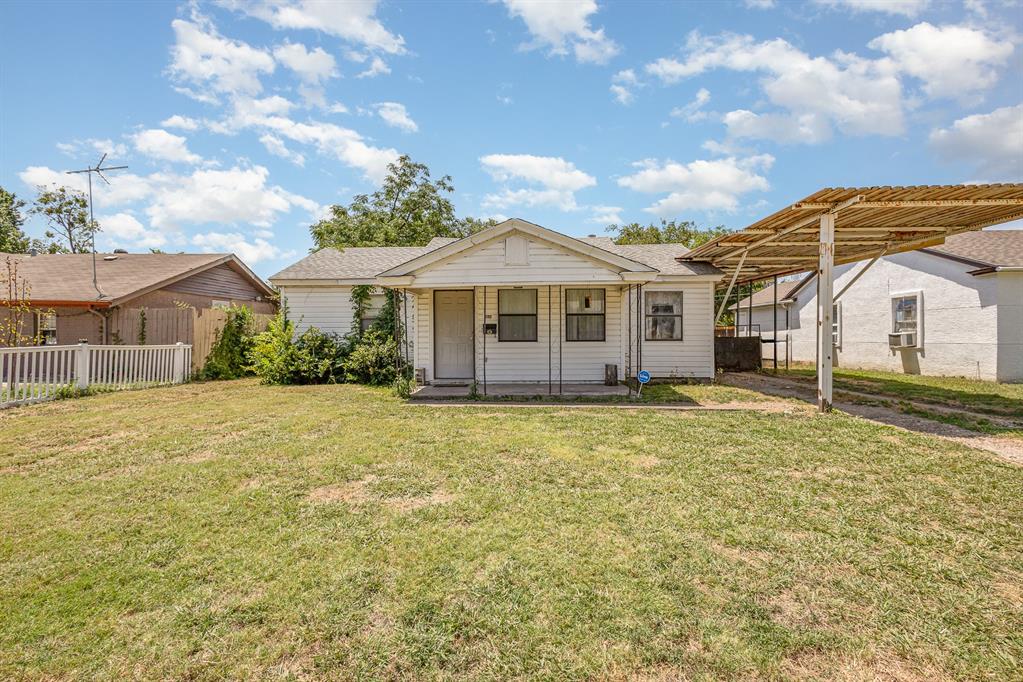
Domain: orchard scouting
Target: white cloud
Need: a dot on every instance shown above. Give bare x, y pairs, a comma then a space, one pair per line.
157, 143
952, 61
234, 196
276, 146
698, 185
906, 8
180, 122
312, 66
268, 116
563, 27
760, 4
783, 128
606, 215
395, 115
215, 64
622, 84
92, 146
123, 229
858, 96
992, 142
377, 67
254, 251
557, 178
693, 111
352, 20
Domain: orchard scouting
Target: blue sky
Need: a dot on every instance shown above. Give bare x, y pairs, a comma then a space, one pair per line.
242, 121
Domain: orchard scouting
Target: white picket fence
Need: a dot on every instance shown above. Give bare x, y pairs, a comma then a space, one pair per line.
37, 373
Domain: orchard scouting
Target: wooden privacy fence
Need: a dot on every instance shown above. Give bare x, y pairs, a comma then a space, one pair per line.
171, 325
37, 373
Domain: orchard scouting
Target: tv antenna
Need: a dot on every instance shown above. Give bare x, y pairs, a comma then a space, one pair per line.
98, 169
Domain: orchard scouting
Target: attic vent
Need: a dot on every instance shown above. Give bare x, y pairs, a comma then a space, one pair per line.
516, 251
109, 257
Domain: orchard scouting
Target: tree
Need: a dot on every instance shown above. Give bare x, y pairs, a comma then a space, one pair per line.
67, 212
683, 232
12, 239
409, 209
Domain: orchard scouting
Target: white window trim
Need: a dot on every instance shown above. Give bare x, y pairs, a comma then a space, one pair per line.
919, 295
836, 322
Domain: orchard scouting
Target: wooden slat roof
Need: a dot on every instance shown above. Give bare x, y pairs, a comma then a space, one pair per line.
867, 221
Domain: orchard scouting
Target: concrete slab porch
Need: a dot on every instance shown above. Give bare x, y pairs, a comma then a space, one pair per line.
520, 391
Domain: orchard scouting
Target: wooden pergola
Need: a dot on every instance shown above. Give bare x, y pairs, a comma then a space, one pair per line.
848, 224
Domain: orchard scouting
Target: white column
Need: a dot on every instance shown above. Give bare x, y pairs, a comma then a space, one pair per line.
825, 302
82, 366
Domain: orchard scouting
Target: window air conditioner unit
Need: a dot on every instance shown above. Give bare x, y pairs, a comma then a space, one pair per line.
902, 340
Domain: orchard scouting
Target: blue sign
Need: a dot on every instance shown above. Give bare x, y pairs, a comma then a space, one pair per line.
643, 376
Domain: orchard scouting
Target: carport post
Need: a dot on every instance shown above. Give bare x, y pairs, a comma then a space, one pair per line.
825, 303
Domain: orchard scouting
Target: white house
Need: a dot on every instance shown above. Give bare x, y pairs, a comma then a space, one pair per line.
517, 302
953, 310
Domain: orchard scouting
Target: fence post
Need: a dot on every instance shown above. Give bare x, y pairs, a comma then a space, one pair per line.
82, 366
179, 363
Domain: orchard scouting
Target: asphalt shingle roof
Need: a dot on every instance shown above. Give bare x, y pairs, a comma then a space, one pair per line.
68, 276
366, 262
998, 248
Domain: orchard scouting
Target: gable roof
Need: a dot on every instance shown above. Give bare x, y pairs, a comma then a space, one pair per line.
66, 278
661, 257
990, 249
517, 225
765, 297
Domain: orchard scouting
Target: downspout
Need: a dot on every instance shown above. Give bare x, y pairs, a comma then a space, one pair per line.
104, 321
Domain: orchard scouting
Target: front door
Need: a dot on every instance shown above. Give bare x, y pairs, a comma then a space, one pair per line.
453, 334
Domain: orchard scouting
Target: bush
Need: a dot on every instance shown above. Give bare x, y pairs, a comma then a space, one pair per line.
229, 357
320, 357
273, 356
372, 360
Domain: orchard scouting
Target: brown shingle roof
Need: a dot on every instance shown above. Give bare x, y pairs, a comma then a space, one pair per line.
766, 295
996, 248
662, 257
68, 277
355, 262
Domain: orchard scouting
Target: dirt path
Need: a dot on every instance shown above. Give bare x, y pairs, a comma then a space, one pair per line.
1006, 447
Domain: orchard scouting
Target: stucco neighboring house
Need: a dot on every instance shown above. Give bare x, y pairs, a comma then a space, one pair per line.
68, 306
953, 310
521, 303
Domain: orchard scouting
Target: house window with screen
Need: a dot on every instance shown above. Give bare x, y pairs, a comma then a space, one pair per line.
46, 328
516, 314
836, 325
584, 315
905, 319
663, 315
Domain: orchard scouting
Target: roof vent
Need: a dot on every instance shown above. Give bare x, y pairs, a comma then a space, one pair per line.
111, 257
120, 250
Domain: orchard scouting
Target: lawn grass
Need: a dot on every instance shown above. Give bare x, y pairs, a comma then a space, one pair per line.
979, 396
234, 530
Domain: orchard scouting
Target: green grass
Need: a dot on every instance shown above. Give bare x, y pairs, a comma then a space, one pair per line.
979, 396
230, 530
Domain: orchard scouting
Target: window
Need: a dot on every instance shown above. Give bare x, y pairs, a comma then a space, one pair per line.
836, 325
46, 328
220, 304
663, 315
906, 319
516, 314
584, 314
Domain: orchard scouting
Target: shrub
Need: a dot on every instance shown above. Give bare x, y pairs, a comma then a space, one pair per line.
229, 357
320, 357
372, 360
273, 356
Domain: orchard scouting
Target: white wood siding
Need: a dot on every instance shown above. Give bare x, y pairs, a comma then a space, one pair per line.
329, 309
486, 265
693, 356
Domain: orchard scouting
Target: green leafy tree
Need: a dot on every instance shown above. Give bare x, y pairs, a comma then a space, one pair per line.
67, 213
683, 232
12, 239
409, 209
